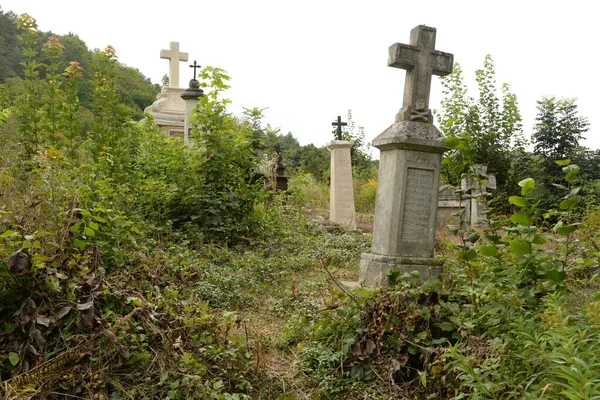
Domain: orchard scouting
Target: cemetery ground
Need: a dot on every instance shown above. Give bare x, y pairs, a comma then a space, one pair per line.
270, 317
135, 266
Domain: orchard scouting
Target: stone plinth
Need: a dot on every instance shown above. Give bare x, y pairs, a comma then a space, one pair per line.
341, 203
407, 202
169, 111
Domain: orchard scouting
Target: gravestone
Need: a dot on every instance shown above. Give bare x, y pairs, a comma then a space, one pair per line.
341, 198
190, 96
169, 108
475, 207
409, 169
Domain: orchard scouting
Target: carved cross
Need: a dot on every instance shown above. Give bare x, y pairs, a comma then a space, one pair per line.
338, 131
174, 56
421, 61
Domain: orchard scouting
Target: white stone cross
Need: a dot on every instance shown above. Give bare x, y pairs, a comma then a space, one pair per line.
174, 57
421, 61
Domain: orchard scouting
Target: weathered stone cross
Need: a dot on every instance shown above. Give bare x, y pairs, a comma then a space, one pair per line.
174, 56
195, 66
421, 61
338, 124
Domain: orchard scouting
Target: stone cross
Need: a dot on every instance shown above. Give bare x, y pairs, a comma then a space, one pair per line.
476, 206
174, 56
421, 61
195, 66
338, 131
409, 170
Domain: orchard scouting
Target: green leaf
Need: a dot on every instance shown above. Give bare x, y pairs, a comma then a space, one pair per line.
93, 225
489, 251
521, 218
563, 163
527, 186
569, 203
468, 255
556, 276
518, 201
473, 237
537, 239
89, 232
452, 142
13, 358
520, 247
565, 229
572, 171
447, 326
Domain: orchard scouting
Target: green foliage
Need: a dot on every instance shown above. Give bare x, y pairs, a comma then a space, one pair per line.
491, 124
558, 128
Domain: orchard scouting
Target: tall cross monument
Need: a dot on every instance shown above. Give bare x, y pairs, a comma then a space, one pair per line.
174, 56
409, 169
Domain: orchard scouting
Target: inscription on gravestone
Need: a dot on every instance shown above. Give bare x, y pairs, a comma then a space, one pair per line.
417, 204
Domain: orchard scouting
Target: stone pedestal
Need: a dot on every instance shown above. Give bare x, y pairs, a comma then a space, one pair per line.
407, 202
341, 203
190, 97
169, 111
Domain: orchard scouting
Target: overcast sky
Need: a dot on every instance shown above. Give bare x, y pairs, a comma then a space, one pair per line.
309, 61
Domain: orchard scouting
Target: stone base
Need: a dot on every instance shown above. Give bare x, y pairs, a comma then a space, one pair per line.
374, 268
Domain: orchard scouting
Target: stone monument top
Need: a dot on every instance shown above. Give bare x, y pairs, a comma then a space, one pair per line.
420, 60
174, 56
338, 131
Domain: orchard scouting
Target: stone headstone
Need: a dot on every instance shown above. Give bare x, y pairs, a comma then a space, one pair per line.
478, 186
341, 200
409, 169
169, 108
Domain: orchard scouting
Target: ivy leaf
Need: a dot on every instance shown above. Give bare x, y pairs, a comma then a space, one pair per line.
520, 247
518, 201
527, 186
521, 218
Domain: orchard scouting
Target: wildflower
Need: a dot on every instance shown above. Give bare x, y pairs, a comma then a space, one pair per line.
110, 51
27, 23
74, 70
53, 48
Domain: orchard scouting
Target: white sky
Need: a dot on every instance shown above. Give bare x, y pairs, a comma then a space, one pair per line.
310, 61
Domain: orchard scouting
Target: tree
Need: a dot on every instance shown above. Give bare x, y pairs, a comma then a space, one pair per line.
491, 123
558, 128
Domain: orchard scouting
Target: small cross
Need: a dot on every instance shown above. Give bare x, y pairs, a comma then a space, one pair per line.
195, 66
421, 61
338, 131
174, 56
